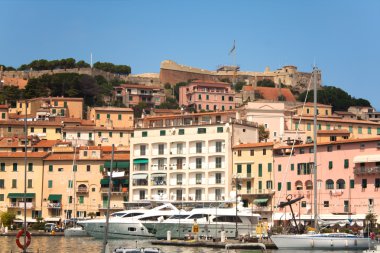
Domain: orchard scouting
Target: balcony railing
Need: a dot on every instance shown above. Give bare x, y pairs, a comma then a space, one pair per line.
367, 170
28, 205
158, 182
82, 190
54, 205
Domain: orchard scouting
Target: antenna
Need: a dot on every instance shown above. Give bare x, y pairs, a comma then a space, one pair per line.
91, 60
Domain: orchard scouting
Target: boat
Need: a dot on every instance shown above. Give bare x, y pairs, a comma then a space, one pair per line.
331, 241
210, 222
129, 223
136, 250
76, 230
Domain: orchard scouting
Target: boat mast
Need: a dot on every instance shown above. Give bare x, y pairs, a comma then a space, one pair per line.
25, 167
315, 71
105, 241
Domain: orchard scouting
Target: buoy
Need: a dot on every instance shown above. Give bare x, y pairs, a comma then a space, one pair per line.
28, 239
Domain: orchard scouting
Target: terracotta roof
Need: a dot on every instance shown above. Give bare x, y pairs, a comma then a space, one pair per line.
113, 109
331, 119
344, 113
332, 142
138, 86
167, 111
208, 82
187, 115
337, 131
22, 154
70, 157
53, 98
46, 143
4, 106
271, 93
254, 145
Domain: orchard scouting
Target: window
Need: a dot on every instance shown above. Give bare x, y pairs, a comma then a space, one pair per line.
78, 135
121, 134
260, 185
1, 183
142, 194
30, 166
90, 136
222, 98
222, 107
14, 166
110, 134
239, 153
32, 129
81, 199
142, 150
9, 129
119, 117
260, 170
88, 168
219, 130
289, 186
249, 185
362, 146
329, 148
161, 149
50, 184
302, 151
162, 132
50, 168
144, 134
350, 129
364, 183
303, 203
292, 166
346, 163
360, 130
75, 167
218, 178
218, 146
378, 131
279, 186
3, 115
97, 116
264, 151
308, 126
108, 116
70, 184
181, 131
30, 183
319, 127
44, 130
99, 134
329, 184
2, 167
198, 163
199, 97
198, 147
198, 178
327, 126
326, 204
218, 162
1, 197
369, 130
207, 107
252, 152
352, 183
340, 184
377, 182
239, 168
269, 184
279, 167
330, 165
269, 167
201, 130
198, 194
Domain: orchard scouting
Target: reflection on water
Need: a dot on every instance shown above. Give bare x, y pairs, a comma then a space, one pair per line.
60, 244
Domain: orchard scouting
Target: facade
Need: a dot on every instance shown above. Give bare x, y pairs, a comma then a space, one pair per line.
207, 96
112, 117
132, 94
186, 157
254, 176
4, 115
348, 179
308, 110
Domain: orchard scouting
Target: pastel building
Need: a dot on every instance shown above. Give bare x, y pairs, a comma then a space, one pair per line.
132, 94
112, 117
348, 175
254, 176
207, 96
186, 157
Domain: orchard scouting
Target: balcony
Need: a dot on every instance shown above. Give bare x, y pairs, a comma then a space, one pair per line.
113, 207
158, 182
52, 205
114, 190
82, 190
28, 205
367, 170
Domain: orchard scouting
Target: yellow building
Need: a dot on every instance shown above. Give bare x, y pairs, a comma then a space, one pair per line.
253, 169
12, 171
308, 110
4, 115
112, 117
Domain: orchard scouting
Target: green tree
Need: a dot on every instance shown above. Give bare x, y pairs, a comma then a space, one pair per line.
263, 133
9, 95
170, 103
239, 86
266, 83
82, 64
176, 89
139, 108
7, 218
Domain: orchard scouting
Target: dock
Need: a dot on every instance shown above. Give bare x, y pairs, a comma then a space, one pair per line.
33, 233
212, 244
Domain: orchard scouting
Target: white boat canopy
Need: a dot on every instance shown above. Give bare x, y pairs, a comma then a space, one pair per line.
366, 158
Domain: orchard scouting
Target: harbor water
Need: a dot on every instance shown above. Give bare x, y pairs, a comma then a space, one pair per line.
61, 244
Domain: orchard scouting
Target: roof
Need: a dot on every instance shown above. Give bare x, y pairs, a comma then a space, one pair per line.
167, 111
338, 131
332, 142
113, 109
334, 119
22, 154
70, 157
309, 104
254, 145
187, 115
209, 83
4, 106
54, 98
139, 86
271, 93
46, 143
344, 113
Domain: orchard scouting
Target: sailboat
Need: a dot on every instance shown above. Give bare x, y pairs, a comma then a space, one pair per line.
331, 241
76, 230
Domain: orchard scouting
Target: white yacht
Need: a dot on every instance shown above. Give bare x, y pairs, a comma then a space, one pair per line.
211, 221
129, 223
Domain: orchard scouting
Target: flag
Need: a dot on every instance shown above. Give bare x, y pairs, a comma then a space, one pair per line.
232, 49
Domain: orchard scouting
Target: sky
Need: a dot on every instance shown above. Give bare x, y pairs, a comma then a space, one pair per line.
341, 37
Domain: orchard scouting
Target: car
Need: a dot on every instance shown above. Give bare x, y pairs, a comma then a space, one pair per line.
49, 227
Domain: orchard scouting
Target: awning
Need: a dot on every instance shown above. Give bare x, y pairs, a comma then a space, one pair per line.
260, 201
140, 176
104, 181
55, 197
21, 195
159, 175
124, 181
366, 158
116, 174
140, 161
117, 164
52, 219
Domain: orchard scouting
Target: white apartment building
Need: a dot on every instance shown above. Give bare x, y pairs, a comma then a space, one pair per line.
186, 157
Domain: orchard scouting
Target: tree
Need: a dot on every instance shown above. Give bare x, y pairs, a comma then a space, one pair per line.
266, 83
239, 86
9, 95
139, 108
263, 133
170, 103
82, 64
7, 218
371, 219
176, 89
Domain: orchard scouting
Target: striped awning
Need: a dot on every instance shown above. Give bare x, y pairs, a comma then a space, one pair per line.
367, 158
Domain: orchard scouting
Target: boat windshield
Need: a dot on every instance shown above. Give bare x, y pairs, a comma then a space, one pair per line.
132, 215
176, 217
198, 216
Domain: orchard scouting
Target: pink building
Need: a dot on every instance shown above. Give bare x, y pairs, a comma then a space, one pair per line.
207, 95
132, 94
348, 179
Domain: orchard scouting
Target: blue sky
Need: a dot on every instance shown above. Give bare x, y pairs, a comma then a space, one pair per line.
342, 37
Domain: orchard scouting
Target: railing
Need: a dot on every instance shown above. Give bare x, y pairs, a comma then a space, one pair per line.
82, 190
263, 191
21, 205
54, 205
158, 182
366, 170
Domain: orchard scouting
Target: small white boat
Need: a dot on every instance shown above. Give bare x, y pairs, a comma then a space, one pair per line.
75, 232
136, 250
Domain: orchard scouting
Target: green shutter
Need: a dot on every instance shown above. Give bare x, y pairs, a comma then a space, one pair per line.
239, 168
119, 116
330, 165
292, 166
260, 170
50, 167
378, 131
289, 186
30, 166
269, 167
279, 186
308, 126
346, 163
144, 134
50, 184
279, 167
249, 168
260, 185
162, 132
352, 183
81, 199
70, 184
75, 167
220, 129
14, 166
97, 116
181, 131
201, 130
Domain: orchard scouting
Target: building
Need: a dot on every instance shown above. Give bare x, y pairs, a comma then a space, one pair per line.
254, 176
186, 157
133, 94
111, 117
4, 112
348, 176
207, 96
252, 93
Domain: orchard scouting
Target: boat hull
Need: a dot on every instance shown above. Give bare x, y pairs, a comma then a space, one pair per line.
75, 232
319, 241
